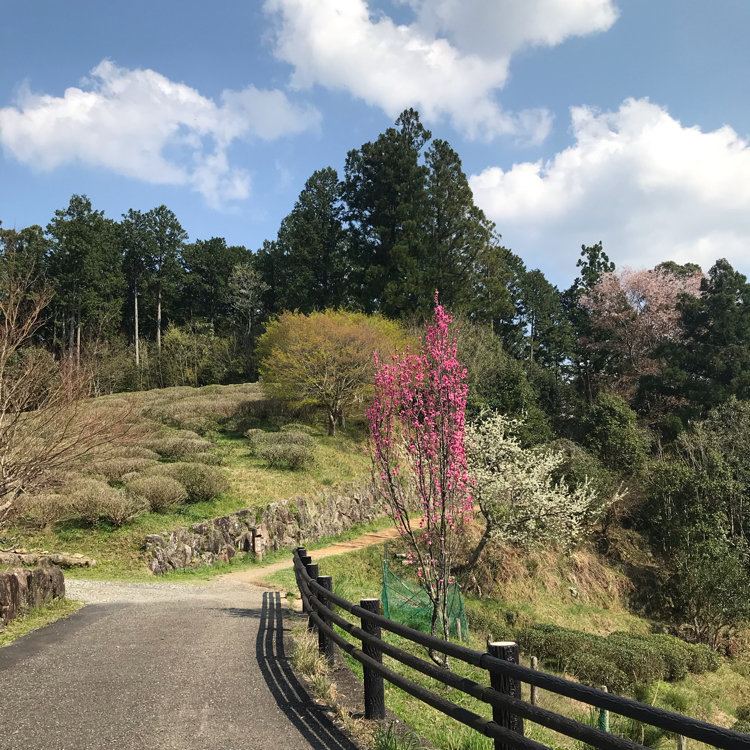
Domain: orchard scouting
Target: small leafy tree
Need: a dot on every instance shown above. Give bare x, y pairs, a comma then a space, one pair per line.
324, 359
709, 591
519, 498
419, 464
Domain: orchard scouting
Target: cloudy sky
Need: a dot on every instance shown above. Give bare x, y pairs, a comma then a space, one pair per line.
625, 121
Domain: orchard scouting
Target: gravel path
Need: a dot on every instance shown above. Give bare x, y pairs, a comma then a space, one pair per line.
158, 666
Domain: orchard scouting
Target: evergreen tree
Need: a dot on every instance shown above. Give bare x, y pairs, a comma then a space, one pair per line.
205, 292
458, 231
311, 267
711, 361
136, 264
388, 212
165, 241
85, 265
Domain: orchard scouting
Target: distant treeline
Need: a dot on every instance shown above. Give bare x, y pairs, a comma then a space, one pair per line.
142, 306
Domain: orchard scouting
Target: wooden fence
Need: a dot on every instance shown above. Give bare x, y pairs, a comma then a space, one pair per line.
505, 676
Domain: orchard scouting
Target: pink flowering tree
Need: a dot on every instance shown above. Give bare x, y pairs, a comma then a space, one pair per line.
419, 463
634, 312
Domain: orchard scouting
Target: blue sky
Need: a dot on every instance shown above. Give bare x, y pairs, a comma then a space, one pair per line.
625, 121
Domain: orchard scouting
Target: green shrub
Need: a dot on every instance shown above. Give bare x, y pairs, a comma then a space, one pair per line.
289, 455
703, 659
121, 507
201, 482
177, 447
297, 427
92, 499
743, 713
257, 438
621, 660
592, 669
136, 451
209, 458
40, 511
162, 493
115, 468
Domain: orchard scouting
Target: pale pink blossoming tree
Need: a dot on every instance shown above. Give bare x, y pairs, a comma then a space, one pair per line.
417, 430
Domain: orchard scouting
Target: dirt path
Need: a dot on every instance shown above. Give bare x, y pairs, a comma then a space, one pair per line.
259, 576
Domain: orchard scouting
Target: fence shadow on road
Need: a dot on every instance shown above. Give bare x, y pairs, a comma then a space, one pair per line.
309, 718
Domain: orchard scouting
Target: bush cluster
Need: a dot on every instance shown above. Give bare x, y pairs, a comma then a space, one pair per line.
201, 482
621, 660
178, 446
160, 492
116, 468
92, 499
290, 448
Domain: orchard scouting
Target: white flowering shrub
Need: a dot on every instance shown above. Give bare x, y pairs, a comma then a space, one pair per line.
515, 489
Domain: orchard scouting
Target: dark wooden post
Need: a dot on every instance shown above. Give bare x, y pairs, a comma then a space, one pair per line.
325, 644
507, 650
301, 551
305, 559
312, 571
374, 692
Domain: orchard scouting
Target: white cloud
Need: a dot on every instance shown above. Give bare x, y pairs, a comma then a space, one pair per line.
650, 188
140, 124
449, 62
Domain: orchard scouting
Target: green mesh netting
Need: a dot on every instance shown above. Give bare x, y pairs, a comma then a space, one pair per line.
409, 604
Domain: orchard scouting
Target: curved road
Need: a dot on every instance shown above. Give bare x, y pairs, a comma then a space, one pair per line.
147, 666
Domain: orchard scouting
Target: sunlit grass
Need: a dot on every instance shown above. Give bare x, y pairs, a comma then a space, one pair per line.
38, 618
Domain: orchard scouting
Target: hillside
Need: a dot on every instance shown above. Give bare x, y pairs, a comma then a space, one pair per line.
193, 436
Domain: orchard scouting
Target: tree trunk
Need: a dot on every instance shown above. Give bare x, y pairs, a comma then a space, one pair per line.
158, 321
72, 335
78, 342
331, 424
472, 561
135, 315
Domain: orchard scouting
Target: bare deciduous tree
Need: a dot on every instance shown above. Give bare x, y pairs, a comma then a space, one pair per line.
46, 426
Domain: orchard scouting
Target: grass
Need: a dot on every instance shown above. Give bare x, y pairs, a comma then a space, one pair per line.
714, 697
118, 551
37, 618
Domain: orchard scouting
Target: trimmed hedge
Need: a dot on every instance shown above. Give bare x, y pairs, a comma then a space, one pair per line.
620, 661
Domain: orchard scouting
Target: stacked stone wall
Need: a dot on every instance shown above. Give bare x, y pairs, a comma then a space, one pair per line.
22, 590
280, 524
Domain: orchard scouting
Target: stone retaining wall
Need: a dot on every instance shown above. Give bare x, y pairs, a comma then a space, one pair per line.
22, 589
281, 524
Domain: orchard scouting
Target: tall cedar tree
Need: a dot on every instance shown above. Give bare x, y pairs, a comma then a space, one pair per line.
85, 263
136, 265
458, 231
308, 265
388, 209
205, 293
166, 238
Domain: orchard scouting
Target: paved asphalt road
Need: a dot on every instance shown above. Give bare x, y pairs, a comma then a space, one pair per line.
152, 666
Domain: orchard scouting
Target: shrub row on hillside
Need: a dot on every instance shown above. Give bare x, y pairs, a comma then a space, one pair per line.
620, 661
290, 448
159, 488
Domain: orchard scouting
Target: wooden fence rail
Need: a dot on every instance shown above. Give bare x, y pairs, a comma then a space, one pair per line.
505, 677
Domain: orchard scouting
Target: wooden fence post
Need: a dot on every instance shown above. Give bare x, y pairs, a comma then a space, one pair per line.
374, 691
312, 571
325, 644
508, 651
